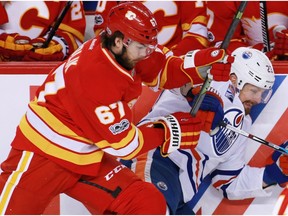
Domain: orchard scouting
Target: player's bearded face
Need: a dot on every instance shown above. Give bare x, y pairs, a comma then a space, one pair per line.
250, 95
124, 60
133, 53
247, 106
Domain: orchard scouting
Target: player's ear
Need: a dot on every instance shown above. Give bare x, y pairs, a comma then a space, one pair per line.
118, 45
119, 42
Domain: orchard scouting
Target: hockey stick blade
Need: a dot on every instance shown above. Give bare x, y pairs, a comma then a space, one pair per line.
255, 138
56, 24
224, 45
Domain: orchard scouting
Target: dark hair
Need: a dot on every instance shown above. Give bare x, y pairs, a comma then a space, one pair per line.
109, 41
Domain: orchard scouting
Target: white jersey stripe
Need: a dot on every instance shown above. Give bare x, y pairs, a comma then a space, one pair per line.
54, 137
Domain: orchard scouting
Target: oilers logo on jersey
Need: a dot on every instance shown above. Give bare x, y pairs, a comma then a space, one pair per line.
225, 138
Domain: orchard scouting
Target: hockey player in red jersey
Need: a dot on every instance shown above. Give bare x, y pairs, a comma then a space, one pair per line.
182, 24
24, 26
80, 121
249, 32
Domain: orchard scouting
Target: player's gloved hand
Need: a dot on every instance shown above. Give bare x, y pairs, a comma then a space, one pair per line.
51, 53
14, 46
281, 40
205, 58
211, 108
221, 70
277, 169
181, 131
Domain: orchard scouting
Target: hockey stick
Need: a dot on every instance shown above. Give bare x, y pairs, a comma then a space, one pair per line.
264, 26
57, 23
224, 45
255, 138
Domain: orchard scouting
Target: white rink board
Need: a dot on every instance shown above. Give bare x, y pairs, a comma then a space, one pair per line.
14, 97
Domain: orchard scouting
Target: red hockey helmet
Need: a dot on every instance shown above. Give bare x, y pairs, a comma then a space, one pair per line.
135, 21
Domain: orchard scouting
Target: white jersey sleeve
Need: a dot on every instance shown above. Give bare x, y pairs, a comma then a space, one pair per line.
248, 184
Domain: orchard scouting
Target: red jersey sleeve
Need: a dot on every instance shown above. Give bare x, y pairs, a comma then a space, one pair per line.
162, 70
194, 27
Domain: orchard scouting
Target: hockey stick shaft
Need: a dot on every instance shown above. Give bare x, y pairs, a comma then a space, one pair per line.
57, 23
264, 26
224, 45
255, 138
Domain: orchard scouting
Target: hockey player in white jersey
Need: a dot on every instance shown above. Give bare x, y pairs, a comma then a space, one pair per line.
218, 158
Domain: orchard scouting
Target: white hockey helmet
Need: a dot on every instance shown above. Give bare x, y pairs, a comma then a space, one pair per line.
254, 67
